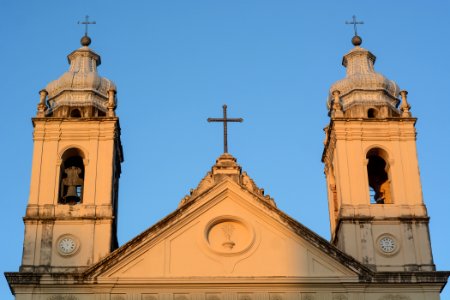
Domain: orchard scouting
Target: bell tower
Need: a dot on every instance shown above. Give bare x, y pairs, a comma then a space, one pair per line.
71, 216
377, 212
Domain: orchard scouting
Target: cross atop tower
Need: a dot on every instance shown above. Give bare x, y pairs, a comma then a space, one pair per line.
86, 23
225, 120
354, 23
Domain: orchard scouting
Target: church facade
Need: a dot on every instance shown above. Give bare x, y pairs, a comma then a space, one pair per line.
227, 240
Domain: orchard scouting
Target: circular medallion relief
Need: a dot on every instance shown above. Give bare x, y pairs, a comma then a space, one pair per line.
229, 235
67, 245
387, 244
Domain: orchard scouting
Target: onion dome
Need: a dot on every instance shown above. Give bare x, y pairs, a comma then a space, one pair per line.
80, 88
363, 87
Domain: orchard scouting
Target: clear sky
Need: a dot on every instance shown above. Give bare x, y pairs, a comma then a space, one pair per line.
177, 62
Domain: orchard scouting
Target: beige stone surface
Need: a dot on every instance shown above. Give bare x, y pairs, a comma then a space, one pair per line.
227, 243
196, 245
227, 240
371, 127
90, 222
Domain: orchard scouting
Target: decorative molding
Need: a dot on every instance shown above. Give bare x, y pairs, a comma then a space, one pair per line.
395, 297
330, 146
229, 236
245, 297
62, 297
340, 297
308, 297
213, 297
181, 296
226, 166
276, 296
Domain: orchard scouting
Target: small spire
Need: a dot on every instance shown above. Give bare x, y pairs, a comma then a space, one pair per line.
111, 102
356, 40
42, 106
405, 107
336, 106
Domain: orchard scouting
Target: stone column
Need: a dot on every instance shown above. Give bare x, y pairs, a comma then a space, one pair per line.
42, 107
111, 102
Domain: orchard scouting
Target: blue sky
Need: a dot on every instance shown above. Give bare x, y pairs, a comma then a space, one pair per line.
177, 62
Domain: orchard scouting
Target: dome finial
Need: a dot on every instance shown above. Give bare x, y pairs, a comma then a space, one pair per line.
86, 40
356, 40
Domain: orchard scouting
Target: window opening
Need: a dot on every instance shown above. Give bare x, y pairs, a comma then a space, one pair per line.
75, 113
372, 195
379, 184
371, 113
72, 178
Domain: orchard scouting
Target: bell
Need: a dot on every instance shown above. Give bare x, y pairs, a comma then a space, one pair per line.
71, 196
74, 185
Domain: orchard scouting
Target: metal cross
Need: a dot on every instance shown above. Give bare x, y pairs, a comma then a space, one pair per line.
354, 23
225, 120
86, 23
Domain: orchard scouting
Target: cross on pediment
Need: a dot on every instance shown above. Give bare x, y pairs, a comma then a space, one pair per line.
225, 121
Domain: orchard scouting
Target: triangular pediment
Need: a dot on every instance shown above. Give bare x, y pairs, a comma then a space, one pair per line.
227, 231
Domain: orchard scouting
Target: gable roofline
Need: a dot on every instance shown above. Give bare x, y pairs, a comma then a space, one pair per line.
364, 273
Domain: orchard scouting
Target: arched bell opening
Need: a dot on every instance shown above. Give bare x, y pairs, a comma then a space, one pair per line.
72, 177
377, 173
